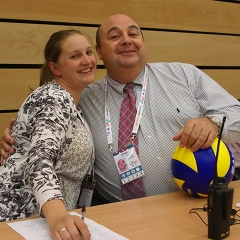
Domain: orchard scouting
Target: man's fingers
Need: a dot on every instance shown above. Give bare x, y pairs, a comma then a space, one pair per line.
6, 148
12, 121
6, 141
209, 141
197, 133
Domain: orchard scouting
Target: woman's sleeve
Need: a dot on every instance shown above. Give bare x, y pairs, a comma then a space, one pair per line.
51, 121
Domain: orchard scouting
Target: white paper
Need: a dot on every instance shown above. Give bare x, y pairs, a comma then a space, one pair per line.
37, 229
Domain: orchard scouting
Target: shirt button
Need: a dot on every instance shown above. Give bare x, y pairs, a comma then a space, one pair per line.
149, 136
159, 158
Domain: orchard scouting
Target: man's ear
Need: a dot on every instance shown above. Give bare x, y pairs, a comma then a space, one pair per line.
53, 67
98, 52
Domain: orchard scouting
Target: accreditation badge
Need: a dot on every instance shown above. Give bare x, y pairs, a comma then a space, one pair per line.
87, 189
128, 164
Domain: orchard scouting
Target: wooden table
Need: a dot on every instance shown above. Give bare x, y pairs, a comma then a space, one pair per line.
161, 217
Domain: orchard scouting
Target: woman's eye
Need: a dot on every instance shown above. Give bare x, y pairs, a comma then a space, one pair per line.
74, 56
90, 52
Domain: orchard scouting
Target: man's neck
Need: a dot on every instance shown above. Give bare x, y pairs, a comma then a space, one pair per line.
126, 75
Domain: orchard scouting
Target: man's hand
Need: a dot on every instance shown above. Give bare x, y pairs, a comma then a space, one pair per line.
6, 142
197, 133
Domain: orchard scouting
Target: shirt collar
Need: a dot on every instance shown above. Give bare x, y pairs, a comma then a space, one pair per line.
119, 86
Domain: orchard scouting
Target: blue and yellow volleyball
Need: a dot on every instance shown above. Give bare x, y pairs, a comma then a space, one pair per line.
193, 171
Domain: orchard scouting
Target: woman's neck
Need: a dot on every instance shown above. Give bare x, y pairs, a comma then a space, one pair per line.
74, 93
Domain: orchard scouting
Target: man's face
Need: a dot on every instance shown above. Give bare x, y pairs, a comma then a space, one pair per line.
121, 43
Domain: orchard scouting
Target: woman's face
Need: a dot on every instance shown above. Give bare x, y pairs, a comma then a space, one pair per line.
76, 65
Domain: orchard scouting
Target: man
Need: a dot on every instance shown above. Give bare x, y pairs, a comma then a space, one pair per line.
235, 149
182, 106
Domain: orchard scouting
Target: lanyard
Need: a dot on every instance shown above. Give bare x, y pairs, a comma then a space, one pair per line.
138, 115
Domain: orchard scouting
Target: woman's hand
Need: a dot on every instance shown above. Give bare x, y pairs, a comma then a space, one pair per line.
62, 225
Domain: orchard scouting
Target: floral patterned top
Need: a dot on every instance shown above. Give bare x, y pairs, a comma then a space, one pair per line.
53, 152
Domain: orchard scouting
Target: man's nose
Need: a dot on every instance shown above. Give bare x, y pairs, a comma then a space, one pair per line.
126, 39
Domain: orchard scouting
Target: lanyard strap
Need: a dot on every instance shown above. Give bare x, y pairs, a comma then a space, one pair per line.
138, 115
89, 131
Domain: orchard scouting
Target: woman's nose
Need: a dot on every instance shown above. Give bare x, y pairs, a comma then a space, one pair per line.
86, 59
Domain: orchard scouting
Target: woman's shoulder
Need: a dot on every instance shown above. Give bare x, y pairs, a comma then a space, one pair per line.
51, 93
49, 97
51, 89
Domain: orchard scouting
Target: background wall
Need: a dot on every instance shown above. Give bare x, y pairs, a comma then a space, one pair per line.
205, 33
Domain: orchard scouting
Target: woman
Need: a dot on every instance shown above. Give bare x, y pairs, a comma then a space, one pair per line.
53, 144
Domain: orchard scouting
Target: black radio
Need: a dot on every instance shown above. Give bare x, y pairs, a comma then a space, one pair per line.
220, 200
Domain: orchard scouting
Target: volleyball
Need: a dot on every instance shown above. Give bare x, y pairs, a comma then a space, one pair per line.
193, 171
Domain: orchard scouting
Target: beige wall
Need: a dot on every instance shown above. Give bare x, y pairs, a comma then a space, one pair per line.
205, 33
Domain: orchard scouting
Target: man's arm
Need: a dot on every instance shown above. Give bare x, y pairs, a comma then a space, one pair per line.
7, 141
214, 101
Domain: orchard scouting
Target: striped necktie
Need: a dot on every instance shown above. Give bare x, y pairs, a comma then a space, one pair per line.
135, 188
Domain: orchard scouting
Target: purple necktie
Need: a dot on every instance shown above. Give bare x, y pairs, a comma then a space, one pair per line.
135, 188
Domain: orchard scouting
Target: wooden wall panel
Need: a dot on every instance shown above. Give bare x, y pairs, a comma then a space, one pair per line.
196, 15
28, 40
205, 33
197, 49
16, 83
5, 119
228, 79
24, 43
15, 86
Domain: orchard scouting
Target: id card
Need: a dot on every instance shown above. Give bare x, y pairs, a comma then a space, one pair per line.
128, 164
87, 189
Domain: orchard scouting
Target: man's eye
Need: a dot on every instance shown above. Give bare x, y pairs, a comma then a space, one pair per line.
114, 36
133, 34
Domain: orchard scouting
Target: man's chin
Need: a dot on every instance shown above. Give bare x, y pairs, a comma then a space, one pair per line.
129, 63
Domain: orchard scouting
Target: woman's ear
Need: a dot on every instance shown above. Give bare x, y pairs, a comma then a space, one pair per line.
53, 67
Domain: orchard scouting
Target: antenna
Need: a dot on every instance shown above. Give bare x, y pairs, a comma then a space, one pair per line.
215, 177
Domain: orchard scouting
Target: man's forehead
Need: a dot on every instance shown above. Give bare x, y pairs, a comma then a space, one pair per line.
119, 22
122, 28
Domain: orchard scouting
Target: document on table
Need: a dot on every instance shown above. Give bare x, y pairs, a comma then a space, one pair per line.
37, 229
